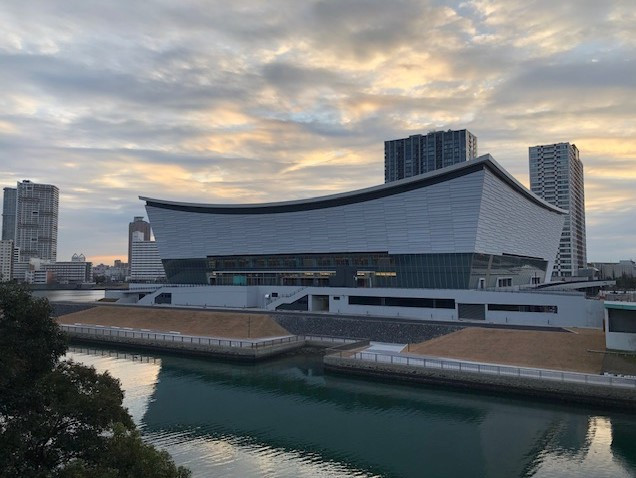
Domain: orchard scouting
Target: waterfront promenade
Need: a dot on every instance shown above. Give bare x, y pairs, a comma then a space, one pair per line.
537, 357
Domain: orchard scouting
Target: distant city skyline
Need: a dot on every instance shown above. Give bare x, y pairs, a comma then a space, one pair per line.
260, 102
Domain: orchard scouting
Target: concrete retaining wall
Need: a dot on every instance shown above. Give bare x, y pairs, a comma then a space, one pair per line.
562, 391
239, 353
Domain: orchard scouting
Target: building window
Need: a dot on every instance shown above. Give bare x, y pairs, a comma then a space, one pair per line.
545, 309
504, 281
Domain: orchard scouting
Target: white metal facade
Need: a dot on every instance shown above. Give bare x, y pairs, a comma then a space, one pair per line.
464, 208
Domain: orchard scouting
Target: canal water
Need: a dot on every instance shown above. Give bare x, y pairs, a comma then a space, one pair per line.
75, 295
286, 418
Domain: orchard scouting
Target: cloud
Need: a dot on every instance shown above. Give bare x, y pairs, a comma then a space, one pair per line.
256, 101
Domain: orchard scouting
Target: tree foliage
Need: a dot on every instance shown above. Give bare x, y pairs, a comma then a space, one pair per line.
59, 418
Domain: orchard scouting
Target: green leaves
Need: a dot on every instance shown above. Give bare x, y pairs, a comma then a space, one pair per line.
30, 344
59, 418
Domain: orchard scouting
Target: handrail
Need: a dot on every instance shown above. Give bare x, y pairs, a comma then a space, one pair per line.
197, 339
492, 369
287, 295
178, 338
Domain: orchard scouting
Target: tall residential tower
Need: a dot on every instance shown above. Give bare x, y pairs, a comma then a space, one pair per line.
556, 175
8, 214
36, 221
420, 154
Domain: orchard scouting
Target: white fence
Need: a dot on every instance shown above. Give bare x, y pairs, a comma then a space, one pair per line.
100, 331
501, 370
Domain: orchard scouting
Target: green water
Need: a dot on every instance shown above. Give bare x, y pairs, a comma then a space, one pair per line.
285, 418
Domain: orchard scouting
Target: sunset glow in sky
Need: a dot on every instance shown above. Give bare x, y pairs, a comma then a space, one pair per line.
253, 101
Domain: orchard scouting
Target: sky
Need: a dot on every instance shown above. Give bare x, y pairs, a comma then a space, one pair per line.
253, 101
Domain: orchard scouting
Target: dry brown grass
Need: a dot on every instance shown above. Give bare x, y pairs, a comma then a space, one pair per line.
188, 322
529, 348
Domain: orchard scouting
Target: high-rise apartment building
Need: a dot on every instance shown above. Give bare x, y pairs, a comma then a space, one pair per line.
138, 225
8, 214
419, 153
36, 221
556, 175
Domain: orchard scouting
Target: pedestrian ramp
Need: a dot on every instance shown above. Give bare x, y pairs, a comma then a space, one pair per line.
384, 347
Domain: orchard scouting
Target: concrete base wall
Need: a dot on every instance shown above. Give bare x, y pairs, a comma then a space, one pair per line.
568, 392
572, 310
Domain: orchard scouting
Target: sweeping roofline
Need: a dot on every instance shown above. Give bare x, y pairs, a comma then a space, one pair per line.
361, 195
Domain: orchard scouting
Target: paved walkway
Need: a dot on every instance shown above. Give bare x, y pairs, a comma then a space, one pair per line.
384, 347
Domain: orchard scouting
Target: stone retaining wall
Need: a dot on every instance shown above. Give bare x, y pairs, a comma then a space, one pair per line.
362, 328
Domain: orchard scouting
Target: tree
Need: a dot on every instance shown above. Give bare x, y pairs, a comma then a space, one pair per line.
59, 418
30, 345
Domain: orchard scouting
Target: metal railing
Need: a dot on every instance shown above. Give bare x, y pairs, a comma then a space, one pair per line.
177, 338
329, 339
284, 295
500, 370
198, 340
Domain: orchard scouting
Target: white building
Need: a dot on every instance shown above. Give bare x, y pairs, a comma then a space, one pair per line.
556, 175
421, 247
145, 264
615, 270
6, 260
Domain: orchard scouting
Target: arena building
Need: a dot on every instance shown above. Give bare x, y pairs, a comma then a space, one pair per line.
407, 244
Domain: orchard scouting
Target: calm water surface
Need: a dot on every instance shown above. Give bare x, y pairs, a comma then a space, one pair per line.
70, 295
285, 418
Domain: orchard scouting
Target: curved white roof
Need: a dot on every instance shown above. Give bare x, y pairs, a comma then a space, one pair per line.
360, 195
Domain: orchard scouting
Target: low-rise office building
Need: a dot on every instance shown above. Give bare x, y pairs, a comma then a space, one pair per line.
69, 272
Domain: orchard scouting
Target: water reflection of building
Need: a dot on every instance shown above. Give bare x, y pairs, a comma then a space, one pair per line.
397, 431
624, 442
